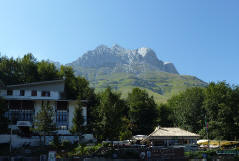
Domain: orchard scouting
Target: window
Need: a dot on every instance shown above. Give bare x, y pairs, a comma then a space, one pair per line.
48, 94
45, 94
20, 111
61, 105
62, 116
34, 93
9, 92
62, 119
22, 93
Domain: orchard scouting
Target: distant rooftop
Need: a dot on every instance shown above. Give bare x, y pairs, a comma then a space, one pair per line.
171, 132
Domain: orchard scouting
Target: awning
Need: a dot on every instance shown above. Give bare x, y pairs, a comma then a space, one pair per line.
24, 124
216, 143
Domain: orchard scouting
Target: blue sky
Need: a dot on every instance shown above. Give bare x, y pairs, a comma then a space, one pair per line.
200, 37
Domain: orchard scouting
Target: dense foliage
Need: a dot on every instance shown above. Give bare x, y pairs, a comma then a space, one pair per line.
26, 69
216, 105
78, 121
187, 109
142, 111
111, 111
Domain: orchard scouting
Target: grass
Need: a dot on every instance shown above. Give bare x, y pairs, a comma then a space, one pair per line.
161, 85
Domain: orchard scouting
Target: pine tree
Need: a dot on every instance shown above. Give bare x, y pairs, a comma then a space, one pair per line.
44, 121
143, 112
78, 126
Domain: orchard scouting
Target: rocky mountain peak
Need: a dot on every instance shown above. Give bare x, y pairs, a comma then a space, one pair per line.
120, 59
145, 51
116, 46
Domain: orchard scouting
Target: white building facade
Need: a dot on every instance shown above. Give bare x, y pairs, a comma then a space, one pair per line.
24, 101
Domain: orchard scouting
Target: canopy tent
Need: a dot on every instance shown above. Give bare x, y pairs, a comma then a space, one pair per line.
216, 143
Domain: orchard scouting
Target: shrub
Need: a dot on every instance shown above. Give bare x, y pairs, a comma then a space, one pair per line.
87, 150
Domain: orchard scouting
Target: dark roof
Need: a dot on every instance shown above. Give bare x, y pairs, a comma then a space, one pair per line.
35, 83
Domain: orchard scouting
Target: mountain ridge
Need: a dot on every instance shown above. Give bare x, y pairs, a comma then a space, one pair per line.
124, 69
124, 60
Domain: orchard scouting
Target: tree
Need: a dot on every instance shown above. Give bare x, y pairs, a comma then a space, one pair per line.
85, 92
188, 112
56, 142
71, 90
10, 71
47, 71
79, 88
44, 122
78, 126
235, 105
111, 111
142, 111
125, 132
165, 118
218, 103
221, 105
28, 66
26, 69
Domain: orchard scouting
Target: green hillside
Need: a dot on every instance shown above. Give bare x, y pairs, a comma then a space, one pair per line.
161, 85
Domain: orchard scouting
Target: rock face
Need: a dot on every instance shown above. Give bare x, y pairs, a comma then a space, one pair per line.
118, 59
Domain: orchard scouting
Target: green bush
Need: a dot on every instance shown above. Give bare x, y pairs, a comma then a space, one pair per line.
87, 150
106, 144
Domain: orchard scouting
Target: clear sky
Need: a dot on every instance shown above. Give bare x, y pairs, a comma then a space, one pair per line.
201, 37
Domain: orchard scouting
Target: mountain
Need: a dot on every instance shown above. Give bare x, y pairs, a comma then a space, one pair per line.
119, 59
124, 69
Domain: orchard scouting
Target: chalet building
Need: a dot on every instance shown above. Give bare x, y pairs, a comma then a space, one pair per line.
25, 100
166, 136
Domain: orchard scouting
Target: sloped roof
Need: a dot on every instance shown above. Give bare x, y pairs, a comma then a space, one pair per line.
35, 83
172, 131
